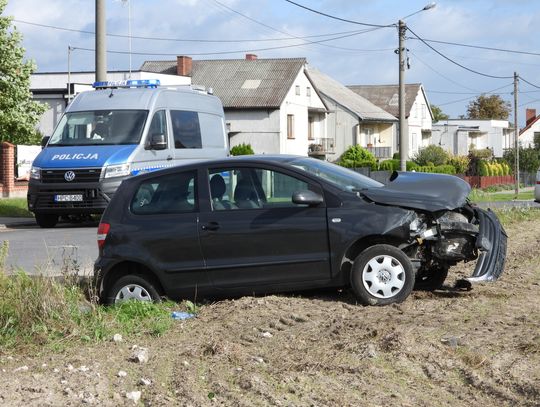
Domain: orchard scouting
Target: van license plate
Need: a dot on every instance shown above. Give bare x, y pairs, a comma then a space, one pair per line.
68, 198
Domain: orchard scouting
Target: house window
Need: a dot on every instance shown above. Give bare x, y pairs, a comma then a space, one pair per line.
424, 111
308, 91
368, 136
290, 126
297, 90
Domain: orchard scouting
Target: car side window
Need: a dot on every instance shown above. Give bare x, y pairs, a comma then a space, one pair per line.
172, 193
253, 188
186, 129
158, 125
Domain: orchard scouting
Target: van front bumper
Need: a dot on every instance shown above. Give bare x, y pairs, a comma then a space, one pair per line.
91, 197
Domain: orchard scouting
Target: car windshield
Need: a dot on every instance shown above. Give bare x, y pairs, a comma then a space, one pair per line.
100, 127
343, 178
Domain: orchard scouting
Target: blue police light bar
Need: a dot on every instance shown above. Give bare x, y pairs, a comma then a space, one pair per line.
130, 83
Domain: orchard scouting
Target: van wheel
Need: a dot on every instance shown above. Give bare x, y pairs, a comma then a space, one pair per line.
46, 220
382, 275
133, 287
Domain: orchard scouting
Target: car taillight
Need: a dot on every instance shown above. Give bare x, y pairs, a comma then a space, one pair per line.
102, 231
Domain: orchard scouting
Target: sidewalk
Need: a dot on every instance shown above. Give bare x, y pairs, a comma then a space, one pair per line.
6, 222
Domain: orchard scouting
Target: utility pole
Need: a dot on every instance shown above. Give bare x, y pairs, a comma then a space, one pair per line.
101, 45
516, 131
403, 131
69, 74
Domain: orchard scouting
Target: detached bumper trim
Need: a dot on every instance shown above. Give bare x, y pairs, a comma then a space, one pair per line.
491, 243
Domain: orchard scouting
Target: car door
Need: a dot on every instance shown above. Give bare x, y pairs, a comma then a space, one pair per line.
254, 234
149, 159
163, 220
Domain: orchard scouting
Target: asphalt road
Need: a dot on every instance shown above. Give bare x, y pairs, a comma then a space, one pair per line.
67, 247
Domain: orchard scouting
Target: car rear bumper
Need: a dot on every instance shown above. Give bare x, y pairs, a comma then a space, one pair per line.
491, 243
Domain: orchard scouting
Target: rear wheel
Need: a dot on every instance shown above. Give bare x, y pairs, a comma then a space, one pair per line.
133, 287
381, 275
46, 220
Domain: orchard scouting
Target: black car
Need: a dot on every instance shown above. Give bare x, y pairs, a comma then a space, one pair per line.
260, 224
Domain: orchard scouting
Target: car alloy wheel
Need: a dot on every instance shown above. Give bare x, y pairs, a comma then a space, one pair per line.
133, 287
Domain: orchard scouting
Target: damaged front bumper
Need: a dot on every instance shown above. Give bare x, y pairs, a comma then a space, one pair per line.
491, 244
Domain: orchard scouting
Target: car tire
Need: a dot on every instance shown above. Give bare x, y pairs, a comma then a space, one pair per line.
382, 275
46, 220
431, 279
133, 287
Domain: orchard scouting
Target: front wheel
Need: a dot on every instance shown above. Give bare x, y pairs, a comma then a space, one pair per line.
132, 287
382, 275
46, 220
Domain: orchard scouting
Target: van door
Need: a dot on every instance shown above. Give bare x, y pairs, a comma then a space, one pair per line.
152, 156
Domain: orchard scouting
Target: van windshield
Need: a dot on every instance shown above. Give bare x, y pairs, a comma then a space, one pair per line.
99, 127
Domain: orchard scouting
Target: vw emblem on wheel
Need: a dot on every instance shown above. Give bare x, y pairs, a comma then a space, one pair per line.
69, 176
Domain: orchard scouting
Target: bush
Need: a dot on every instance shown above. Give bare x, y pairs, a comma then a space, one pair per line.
529, 159
431, 155
460, 163
242, 149
356, 157
389, 165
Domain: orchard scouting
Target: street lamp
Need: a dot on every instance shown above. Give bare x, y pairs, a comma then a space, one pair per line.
403, 131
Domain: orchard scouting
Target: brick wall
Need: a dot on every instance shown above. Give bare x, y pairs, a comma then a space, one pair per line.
8, 186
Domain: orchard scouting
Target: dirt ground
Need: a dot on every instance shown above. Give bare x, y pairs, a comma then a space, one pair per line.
458, 348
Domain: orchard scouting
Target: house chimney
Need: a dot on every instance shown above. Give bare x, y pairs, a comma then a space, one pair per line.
183, 65
251, 57
530, 115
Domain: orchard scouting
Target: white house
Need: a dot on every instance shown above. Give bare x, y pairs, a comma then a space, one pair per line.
458, 136
417, 109
269, 103
531, 129
351, 120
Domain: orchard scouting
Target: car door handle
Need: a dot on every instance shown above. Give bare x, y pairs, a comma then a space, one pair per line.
169, 158
210, 226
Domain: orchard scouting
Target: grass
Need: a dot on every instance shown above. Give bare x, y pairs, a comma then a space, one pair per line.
509, 216
14, 207
478, 195
43, 313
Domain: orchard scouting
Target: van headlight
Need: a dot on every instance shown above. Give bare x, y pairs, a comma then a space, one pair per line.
35, 172
112, 171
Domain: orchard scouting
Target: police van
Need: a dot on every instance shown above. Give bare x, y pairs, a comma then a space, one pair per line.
117, 131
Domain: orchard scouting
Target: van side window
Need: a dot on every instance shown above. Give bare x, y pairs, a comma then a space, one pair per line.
172, 193
186, 129
158, 126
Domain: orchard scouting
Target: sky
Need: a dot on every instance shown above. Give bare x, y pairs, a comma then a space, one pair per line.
228, 29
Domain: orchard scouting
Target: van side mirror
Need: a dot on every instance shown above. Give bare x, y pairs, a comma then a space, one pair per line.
307, 198
158, 142
44, 141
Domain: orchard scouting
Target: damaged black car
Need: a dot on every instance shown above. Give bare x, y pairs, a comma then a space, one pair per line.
263, 224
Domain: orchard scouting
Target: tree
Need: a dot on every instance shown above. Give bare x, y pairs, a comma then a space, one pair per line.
438, 114
489, 107
19, 114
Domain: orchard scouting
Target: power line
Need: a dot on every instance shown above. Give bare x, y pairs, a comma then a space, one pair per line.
477, 46
221, 52
339, 18
526, 81
187, 39
441, 75
457, 63
472, 97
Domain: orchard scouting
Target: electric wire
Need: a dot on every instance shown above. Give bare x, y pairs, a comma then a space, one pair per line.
455, 62
472, 97
339, 18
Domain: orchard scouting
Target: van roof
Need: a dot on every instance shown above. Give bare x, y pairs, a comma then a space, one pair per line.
182, 98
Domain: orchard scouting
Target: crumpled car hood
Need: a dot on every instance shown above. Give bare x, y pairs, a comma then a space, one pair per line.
425, 191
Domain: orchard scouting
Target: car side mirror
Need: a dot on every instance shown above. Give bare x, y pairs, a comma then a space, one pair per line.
44, 141
158, 142
307, 197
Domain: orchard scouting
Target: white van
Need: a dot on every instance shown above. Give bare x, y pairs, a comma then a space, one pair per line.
120, 130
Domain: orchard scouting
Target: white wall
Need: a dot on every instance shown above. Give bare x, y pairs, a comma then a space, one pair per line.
419, 119
298, 105
259, 128
495, 133
526, 139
